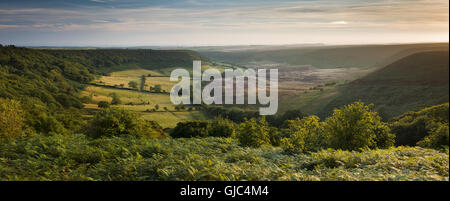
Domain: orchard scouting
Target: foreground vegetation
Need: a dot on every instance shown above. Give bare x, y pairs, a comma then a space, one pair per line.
75, 157
117, 144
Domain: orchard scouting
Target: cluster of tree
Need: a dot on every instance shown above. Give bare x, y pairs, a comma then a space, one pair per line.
45, 87
239, 115
141, 87
120, 122
219, 127
352, 127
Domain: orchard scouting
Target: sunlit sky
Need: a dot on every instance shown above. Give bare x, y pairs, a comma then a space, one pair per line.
221, 22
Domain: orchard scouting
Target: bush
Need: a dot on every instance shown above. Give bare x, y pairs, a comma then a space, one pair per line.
254, 134
12, 122
133, 84
103, 104
355, 126
190, 129
222, 127
304, 135
120, 122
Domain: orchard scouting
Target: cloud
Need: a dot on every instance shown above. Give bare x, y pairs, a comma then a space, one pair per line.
219, 18
339, 22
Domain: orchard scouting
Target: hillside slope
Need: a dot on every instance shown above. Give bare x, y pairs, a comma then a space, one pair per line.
27, 73
324, 56
411, 83
47, 88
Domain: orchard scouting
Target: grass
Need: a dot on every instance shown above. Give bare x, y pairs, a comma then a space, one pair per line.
170, 119
127, 96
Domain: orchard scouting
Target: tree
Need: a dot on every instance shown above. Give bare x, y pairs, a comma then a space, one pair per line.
133, 84
254, 133
120, 122
103, 104
355, 126
142, 85
115, 99
156, 107
304, 135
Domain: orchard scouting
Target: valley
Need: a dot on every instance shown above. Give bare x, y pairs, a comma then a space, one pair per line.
106, 114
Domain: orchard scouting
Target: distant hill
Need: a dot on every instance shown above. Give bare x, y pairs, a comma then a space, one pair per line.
108, 60
411, 83
321, 56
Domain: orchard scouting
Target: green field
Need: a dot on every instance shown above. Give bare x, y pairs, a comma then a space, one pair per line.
141, 102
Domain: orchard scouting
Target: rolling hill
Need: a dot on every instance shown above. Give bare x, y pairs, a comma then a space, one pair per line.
321, 56
411, 83
109, 60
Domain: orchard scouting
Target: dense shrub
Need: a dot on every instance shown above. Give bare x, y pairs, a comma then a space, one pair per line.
254, 133
191, 129
355, 126
304, 135
12, 122
221, 127
120, 122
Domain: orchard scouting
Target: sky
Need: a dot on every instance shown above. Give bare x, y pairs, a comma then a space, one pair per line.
221, 22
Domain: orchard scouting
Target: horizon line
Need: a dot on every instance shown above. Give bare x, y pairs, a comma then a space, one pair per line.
220, 45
